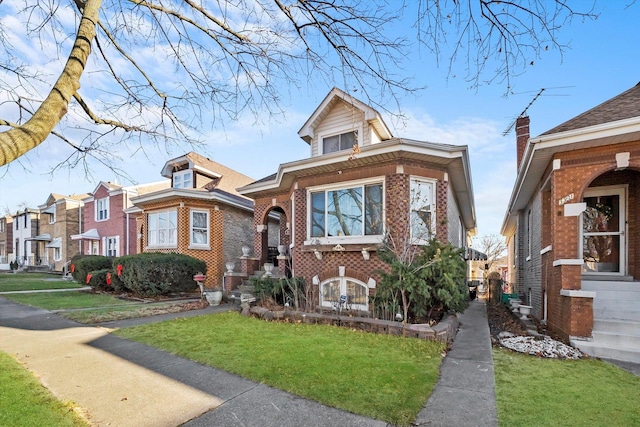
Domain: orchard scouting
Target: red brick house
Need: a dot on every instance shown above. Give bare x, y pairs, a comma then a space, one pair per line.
6, 241
359, 185
108, 229
573, 227
200, 214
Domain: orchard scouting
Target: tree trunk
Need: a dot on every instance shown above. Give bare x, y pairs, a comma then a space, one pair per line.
17, 141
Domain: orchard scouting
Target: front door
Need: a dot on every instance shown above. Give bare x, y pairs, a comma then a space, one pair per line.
603, 231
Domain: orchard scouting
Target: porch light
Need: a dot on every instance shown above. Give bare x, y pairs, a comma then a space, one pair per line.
365, 254
318, 254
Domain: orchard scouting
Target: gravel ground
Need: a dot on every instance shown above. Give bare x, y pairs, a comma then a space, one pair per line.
507, 331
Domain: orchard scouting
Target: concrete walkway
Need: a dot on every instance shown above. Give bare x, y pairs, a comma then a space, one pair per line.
465, 393
124, 383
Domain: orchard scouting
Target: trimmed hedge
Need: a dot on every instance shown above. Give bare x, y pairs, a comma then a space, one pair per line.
153, 274
81, 265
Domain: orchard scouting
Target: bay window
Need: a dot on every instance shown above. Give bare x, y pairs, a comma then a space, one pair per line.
422, 196
348, 211
162, 229
199, 229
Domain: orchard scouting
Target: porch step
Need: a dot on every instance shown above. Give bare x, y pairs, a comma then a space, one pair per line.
624, 327
612, 339
610, 285
596, 349
614, 312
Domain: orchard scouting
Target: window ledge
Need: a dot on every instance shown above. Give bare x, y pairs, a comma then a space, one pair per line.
160, 247
199, 247
354, 240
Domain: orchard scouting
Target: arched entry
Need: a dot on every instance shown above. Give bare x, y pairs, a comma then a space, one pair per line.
274, 234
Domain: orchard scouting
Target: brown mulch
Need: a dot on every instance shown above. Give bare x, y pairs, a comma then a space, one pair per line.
502, 320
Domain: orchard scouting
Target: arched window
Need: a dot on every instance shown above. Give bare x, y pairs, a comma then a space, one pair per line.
356, 293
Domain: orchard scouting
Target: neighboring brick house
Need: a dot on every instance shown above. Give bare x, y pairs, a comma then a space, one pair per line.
573, 227
60, 217
26, 232
6, 241
108, 229
201, 214
359, 185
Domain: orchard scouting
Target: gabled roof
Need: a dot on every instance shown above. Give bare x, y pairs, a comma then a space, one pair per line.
229, 178
614, 121
336, 95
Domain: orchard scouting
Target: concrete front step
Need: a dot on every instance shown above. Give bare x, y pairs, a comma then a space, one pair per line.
595, 349
627, 327
615, 304
625, 294
601, 285
613, 339
617, 313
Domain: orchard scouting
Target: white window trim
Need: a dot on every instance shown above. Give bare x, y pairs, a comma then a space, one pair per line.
434, 183
333, 240
529, 233
57, 254
182, 174
96, 205
193, 245
52, 218
321, 138
163, 246
106, 245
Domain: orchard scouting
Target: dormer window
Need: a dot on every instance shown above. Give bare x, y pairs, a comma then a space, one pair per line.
183, 179
344, 141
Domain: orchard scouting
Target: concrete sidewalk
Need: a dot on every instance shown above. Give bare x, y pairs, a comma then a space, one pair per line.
465, 393
124, 383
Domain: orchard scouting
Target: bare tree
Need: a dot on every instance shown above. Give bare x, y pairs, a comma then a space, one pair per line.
160, 72
494, 247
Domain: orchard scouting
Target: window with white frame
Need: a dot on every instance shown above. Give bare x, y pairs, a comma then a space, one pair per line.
162, 229
344, 141
183, 179
57, 254
52, 217
422, 196
355, 294
199, 228
355, 210
2, 225
111, 246
102, 209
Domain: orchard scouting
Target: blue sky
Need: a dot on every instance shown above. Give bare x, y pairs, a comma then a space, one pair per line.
601, 62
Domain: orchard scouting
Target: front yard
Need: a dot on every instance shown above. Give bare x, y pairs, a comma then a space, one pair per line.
379, 376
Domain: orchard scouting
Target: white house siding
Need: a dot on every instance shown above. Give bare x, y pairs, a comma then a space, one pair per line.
530, 282
453, 220
342, 118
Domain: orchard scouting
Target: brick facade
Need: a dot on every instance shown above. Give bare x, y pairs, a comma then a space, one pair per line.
396, 209
578, 171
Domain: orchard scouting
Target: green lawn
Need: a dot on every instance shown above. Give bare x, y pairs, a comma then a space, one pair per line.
66, 300
545, 392
33, 281
379, 376
25, 402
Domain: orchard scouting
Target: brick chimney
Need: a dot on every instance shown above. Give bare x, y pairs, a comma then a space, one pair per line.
522, 136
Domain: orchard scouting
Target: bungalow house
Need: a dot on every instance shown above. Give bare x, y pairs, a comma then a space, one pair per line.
26, 231
109, 229
573, 227
60, 217
6, 241
200, 214
359, 185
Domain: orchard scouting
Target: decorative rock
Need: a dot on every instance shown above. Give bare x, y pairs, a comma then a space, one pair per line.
546, 347
505, 334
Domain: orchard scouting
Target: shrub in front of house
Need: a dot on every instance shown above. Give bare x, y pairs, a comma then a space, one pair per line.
105, 280
81, 265
153, 274
424, 286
